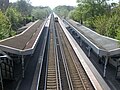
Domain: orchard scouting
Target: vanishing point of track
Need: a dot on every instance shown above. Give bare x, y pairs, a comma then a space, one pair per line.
64, 71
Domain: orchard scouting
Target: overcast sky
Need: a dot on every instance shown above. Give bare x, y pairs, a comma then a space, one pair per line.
54, 3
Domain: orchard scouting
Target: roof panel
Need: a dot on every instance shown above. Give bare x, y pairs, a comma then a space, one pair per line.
20, 41
100, 41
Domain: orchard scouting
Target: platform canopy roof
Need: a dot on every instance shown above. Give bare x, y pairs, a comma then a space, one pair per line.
101, 44
24, 41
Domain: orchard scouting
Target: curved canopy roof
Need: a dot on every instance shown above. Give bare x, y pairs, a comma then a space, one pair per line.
23, 42
101, 44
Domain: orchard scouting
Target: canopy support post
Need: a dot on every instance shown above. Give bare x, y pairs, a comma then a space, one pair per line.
89, 49
81, 42
105, 65
23, 66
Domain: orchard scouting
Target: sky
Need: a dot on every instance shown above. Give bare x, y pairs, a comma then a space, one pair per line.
54, 3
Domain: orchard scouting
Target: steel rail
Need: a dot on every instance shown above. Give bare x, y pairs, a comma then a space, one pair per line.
71, 62
37, 76
64, 61
95, 78
52, 82
57, 59
84, 79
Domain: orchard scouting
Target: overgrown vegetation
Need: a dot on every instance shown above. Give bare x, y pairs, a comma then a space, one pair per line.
41, 12
63, 11
17, 15
14, 17
5, 26
99, 15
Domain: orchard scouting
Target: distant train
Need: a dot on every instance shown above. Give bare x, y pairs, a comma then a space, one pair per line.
56, 19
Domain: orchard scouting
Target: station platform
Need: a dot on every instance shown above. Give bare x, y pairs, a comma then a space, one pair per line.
20, 54
107, 46
23, 43
95, 78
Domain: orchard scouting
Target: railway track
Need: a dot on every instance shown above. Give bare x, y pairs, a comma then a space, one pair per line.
60, 68
64, 71
78, 79
52, 83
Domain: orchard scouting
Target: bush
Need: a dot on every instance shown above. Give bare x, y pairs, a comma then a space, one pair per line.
108, 26
14, 16
5, 26
101, 24
41, 12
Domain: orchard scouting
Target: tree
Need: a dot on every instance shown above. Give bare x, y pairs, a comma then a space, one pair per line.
5, 26
118, 34
41, 12
4, 5
24, 7
63, 11
71, 14
89, 9
14, 16
101, 24
107, 25
99, 15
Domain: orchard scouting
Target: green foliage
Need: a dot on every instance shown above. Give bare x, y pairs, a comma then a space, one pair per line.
24, 7
108, 26
71, 14
88, 9
5, 26
114, 22
14, 16
101, 23
99, 15
4, 5
63, 11
75, 15
41, 12
118, 34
